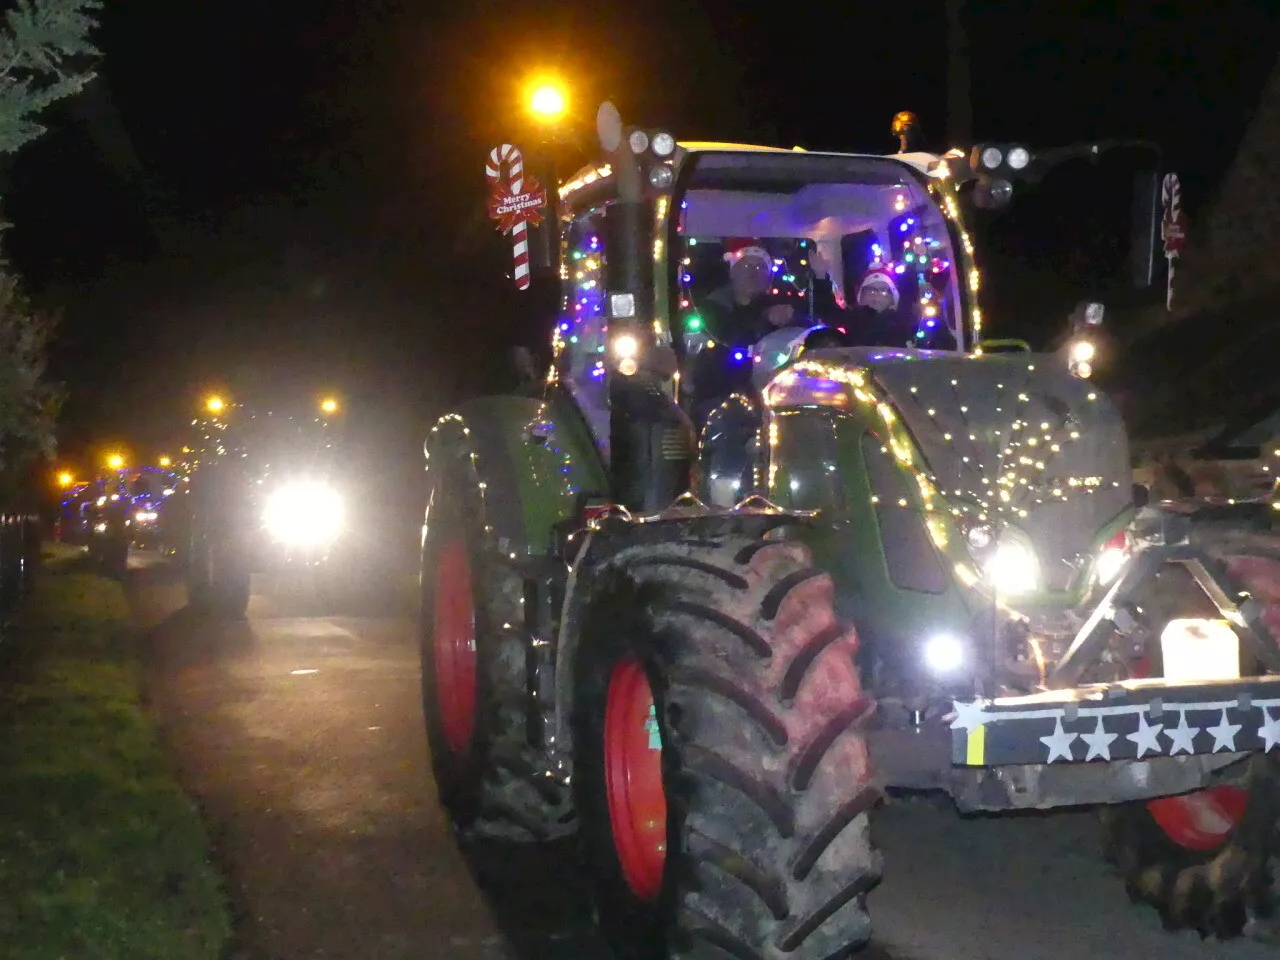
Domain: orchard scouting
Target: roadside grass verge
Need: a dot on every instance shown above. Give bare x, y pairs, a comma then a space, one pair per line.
101, 853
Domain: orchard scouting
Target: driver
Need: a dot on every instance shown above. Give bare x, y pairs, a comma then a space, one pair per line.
741, 312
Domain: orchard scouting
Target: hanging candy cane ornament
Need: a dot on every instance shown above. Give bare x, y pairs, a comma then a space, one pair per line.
515, 202
1171, 229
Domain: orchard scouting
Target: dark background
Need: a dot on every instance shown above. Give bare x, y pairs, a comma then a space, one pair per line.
287, 197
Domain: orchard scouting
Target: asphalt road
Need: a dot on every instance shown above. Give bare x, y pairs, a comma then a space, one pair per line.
301, 738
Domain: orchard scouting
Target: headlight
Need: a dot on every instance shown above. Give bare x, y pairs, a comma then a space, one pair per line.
146, 516
304, 514
1082, 351
1013, 568
943, 653
1112, 558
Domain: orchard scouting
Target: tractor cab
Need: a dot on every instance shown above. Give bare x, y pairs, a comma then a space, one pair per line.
695, 271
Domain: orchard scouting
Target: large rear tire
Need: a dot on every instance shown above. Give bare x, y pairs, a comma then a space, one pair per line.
1203, 860
490, 780
720, 769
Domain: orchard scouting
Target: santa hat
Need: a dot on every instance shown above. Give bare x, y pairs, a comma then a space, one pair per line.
880, 275
739, 248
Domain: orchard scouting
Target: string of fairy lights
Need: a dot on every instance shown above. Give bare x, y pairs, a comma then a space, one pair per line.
584, 300
1021, 477
1020, 480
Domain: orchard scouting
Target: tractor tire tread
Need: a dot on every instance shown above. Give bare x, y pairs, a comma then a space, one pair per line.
752, 799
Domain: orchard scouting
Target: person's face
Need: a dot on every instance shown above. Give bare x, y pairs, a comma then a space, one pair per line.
876, 296
749, 278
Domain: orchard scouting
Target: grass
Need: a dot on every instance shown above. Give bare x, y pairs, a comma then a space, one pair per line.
101, 853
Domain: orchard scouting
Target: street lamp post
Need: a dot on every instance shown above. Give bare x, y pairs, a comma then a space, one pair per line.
548, 106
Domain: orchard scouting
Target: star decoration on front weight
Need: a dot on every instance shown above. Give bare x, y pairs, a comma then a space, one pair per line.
1099, 742
969, 716
1059, 742
1269, 731
1224, 734
1146, 736
1182, 737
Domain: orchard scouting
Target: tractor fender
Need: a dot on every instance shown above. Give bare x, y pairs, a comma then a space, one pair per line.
533, 466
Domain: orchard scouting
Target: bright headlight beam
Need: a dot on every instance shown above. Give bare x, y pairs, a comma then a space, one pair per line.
304, 513
1013, 569
943, 653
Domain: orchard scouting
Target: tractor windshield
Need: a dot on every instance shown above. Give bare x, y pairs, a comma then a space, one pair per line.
771, 245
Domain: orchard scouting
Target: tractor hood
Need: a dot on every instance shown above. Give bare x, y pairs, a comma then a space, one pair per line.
1013, 437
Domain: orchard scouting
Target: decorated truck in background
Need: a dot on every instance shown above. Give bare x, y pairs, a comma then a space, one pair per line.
710, 590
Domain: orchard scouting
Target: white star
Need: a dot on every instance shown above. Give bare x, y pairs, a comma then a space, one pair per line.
1146, 736
1182, 737
1269, 730
1059, 742
1099, 742
969, 716
1224, 734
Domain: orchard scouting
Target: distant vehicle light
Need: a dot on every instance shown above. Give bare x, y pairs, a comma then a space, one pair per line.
304, 513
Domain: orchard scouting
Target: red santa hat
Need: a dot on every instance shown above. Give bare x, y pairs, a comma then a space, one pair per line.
882, 276
739, 248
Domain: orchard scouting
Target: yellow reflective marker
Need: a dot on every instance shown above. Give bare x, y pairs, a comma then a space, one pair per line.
976, 747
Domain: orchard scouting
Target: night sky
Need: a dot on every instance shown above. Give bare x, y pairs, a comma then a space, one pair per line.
275, 197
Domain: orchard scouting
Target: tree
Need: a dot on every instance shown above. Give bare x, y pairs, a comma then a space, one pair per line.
44, 53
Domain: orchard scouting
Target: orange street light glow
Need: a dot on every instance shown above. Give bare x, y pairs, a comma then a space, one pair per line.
165, 461
115, 462
65, 479
547, 102
215, 405
329, 405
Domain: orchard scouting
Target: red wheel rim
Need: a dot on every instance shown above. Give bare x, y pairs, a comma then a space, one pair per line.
633, 779
454, 646
1203, 820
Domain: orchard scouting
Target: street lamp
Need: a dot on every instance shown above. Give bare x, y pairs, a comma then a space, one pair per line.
215, 404
165, 461
548, 103
115, 461
65, 479
329, 405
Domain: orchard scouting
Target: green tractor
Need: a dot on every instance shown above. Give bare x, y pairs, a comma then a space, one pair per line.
707, 596
263, 491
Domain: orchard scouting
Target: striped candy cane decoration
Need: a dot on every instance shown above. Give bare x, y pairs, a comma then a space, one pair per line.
510, 156
1171, 229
